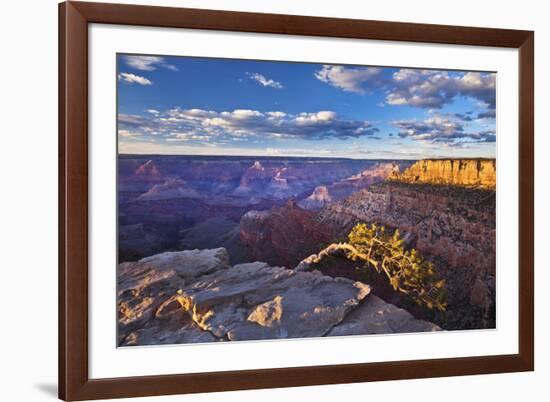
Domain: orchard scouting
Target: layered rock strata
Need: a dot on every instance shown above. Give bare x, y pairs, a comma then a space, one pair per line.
461, 172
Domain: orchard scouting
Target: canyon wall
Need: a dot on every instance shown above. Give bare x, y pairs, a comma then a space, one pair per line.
448, 214
460, 172
452, 226
162, 197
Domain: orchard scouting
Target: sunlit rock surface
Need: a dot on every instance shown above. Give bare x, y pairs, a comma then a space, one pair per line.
318, 199
465, 172
194, 296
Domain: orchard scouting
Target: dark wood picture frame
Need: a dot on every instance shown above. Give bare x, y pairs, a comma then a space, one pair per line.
74, 381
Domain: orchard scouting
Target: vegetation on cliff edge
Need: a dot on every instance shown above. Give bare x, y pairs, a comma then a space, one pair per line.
406, 270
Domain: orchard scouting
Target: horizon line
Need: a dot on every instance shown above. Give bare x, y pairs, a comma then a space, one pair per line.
312, 157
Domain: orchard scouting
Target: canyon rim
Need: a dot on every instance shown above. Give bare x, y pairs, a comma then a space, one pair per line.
273, 200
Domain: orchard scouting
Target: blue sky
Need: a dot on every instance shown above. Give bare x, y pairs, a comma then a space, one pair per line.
201, 106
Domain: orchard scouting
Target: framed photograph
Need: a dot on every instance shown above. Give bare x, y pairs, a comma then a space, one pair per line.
259, 200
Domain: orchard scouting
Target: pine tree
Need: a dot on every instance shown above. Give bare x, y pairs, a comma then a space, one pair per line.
406, 270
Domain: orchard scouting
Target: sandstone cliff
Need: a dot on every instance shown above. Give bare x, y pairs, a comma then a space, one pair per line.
462, 172
196, 296
452, 226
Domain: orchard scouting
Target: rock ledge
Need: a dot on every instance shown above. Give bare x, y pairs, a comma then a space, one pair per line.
194, 296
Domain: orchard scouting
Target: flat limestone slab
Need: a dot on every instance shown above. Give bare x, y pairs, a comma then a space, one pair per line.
194, 296
375, 316
256, 301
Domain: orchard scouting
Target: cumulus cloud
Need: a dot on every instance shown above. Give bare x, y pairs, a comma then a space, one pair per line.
434, 89
430, 89
443, 129
262, 80
350, 79
148, 63
133, 79
199, 124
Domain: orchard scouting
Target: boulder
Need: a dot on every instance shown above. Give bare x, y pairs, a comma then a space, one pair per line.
256, 301
173, 327
144, 286
375, 316
189, 264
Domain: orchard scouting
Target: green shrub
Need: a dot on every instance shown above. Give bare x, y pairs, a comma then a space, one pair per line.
406, 270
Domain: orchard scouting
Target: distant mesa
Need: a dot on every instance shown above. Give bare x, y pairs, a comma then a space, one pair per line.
170, 189
266, 182
257, 166
252, 178
318, 199
340, 189
148, 169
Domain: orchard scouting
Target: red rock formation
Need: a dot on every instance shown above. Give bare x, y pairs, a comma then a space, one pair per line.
148, 169
282, 236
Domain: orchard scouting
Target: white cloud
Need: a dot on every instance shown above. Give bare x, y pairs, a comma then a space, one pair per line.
191, 124
262, 80
170, 67
351, 79
132, 78
415, 87
314, 118
243, 114
276, 115
434, 89
447, 130
148, 63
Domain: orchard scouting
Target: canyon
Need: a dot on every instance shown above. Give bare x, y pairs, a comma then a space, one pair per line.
161, 197
208, 246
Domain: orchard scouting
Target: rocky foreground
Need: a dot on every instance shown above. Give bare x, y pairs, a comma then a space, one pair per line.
195, 296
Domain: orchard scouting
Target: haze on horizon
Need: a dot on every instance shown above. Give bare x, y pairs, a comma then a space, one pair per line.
224, 107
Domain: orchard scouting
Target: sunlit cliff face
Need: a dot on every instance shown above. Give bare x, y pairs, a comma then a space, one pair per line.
462, 172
